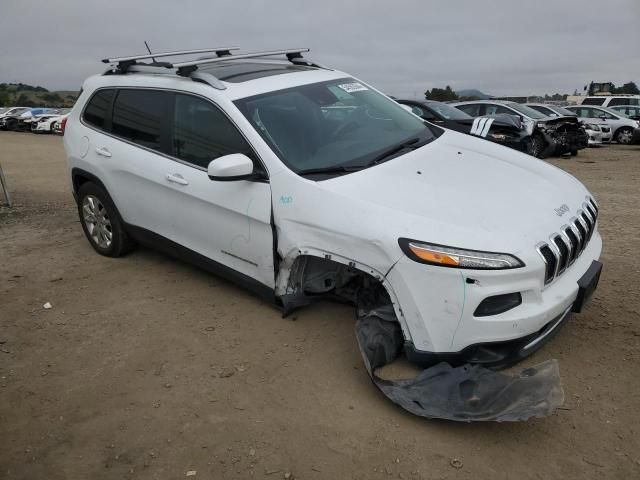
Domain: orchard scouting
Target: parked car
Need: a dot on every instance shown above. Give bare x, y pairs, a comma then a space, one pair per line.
598, 131
47, 123
9, 119
630, 111
57, 126
506, 130
611, 100
549, 135
622, 127
237, 166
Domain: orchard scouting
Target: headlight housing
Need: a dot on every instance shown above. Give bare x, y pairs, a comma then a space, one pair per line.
452, 257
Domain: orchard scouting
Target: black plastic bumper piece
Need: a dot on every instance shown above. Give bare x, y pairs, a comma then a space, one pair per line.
495, 355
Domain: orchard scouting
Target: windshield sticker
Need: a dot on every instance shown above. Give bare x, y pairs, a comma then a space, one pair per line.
352, 87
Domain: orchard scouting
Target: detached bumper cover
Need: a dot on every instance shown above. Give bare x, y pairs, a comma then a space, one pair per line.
466, 393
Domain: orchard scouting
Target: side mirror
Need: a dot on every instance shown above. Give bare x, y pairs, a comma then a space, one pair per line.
234, 167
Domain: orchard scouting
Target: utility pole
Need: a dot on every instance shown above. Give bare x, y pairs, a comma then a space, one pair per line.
5, 187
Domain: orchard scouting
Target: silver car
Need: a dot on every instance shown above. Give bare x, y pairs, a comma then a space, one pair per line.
622, 126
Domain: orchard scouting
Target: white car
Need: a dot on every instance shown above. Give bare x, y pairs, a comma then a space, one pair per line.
610, 100
49, 123
622, 127
238, 164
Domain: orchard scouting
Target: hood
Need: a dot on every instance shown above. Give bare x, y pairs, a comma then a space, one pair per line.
481, 193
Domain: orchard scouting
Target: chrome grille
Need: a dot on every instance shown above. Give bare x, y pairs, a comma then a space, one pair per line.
565, 247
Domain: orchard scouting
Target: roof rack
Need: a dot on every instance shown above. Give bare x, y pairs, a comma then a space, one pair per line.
188, 68
125, 62
294, 55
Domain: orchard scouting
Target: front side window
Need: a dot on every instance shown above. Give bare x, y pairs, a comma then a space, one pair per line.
492, 109
201, 132
95, 113
138, 116
331, 125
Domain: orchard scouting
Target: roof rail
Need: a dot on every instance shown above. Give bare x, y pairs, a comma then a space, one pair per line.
125, 62
293, 55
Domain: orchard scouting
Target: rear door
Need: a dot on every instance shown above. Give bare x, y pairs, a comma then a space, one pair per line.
133, 156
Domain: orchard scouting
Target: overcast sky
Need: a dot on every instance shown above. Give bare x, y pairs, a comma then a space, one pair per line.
403, 47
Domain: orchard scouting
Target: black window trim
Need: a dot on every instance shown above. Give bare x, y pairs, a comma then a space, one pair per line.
109, 121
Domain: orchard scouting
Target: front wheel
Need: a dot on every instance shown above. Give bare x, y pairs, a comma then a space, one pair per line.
101, 222
623, 135
537, 146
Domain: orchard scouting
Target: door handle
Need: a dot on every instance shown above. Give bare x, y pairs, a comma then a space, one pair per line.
103, 151
176, 178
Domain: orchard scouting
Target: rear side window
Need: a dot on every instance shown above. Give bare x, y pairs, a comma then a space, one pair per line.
593, 101
95, 113
138, 116
201, 132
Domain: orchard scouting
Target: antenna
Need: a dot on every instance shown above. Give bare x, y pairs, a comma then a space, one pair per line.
149, 50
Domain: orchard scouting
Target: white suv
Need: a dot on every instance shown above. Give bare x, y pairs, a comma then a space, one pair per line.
300, 181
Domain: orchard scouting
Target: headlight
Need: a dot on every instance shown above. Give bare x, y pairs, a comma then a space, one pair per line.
593, 126
452, 257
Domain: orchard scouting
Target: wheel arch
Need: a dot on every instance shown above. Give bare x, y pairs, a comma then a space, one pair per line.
289, 274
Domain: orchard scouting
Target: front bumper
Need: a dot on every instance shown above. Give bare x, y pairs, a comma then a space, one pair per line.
436, 305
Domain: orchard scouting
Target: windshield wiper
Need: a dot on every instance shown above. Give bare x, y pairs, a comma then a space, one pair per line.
412, 144
331, 169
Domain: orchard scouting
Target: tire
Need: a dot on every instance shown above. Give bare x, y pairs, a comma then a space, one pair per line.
12, 125
101, 222
537, 146
574, 152
623, 135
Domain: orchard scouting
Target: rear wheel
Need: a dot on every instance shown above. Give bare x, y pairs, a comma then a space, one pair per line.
101, 222
623, 135
574, 152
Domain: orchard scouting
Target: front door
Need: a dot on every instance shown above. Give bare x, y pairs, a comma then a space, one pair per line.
228, 222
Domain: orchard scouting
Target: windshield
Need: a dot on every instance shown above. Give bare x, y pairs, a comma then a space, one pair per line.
562, 111
528, 111
447, 111
338, 123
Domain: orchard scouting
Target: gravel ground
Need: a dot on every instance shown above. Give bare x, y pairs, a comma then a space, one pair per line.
148, 368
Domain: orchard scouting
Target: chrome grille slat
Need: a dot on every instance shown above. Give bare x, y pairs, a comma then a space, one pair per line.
564, 247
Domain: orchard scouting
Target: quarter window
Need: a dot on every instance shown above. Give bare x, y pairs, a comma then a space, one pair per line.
96, 112
138, 117
201, 132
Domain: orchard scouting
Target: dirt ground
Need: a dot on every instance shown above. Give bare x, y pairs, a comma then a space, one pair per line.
149, 368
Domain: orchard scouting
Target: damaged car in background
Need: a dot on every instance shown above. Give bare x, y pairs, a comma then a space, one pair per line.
506, 130
304, 183
549, 135
598, 131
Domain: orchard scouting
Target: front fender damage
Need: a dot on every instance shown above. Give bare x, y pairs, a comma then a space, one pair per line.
466, 393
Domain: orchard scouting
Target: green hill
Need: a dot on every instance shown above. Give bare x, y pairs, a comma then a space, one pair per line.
23, 95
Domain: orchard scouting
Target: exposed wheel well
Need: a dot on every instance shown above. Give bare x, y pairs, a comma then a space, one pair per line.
313, 277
